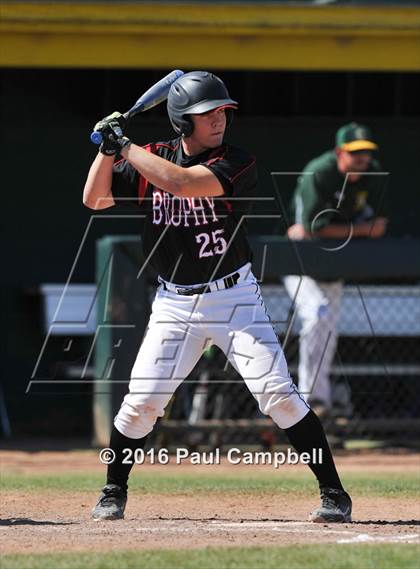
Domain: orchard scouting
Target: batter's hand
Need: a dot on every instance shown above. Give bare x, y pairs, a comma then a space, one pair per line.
115, 121
111, 128
108, 146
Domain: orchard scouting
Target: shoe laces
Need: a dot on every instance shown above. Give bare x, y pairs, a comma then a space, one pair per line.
330, 498
109, 495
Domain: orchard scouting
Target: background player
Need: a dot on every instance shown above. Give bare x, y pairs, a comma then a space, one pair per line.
195, 190
335, 188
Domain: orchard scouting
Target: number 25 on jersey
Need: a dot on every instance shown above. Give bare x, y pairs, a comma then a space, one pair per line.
211, 244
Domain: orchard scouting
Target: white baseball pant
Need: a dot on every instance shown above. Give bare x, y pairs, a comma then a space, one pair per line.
179, 330
318, 307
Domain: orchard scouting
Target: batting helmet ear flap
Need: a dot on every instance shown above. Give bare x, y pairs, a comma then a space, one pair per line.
187, 126
184, 126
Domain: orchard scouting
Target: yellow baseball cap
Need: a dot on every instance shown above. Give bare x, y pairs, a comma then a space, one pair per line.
353, 136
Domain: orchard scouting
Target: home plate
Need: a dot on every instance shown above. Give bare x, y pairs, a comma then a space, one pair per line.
287, 527
366, 538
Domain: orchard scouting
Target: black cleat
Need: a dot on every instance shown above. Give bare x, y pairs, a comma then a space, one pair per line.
111, 504
335, 507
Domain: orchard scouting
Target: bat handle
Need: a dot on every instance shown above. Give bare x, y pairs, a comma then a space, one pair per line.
96, 137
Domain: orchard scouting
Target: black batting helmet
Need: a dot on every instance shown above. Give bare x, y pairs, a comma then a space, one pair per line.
195, 93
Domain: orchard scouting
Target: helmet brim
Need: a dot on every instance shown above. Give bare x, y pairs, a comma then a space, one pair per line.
206, 106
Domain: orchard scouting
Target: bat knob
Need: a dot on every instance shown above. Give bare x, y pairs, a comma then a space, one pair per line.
96, 137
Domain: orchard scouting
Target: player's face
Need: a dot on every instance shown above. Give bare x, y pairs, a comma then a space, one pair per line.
353, 162
209, 128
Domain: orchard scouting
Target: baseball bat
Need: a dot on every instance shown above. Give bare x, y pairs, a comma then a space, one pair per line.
152, 97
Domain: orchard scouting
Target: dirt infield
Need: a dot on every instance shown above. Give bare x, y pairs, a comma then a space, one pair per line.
35, 522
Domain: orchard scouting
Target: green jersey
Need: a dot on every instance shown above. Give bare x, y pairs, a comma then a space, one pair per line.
323, 195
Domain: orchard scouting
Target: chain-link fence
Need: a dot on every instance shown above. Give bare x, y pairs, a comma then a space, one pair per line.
375, 376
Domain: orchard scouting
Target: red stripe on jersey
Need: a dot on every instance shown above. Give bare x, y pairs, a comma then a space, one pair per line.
162, 145
228, 205
209, 162
213, 160
143, 183
216, 152
243, 170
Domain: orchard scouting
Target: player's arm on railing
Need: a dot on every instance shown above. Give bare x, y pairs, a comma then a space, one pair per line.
374, 228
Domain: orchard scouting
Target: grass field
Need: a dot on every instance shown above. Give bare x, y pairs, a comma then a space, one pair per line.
295, 557
375, 484
246, 518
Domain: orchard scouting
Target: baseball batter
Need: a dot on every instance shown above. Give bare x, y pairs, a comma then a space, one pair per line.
195, 190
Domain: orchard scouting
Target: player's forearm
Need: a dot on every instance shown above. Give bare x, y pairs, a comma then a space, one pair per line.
338, 231
97, 191
373, 228
159, 172
334, 231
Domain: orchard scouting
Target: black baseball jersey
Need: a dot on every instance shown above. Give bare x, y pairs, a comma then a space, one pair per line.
193, 240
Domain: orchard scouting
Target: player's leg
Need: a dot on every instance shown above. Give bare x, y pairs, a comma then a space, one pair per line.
253, 349
251, 345
318, 307
340, 394
170, 349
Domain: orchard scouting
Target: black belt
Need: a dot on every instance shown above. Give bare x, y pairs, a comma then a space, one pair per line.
228, 282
